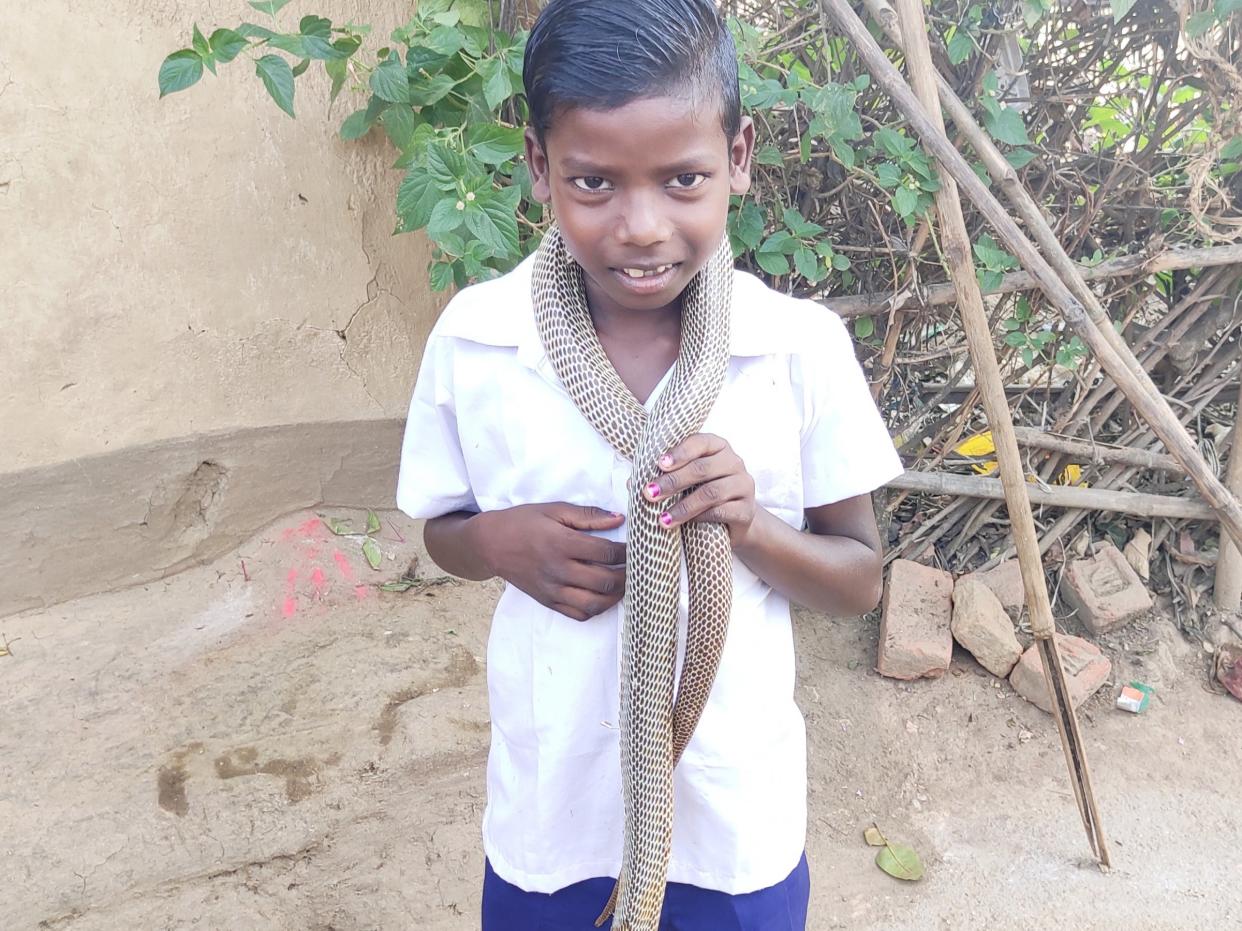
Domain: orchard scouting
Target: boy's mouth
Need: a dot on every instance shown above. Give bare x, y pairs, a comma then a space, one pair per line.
646, 279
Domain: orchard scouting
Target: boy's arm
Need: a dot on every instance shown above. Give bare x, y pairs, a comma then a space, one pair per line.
836, 568
548, 551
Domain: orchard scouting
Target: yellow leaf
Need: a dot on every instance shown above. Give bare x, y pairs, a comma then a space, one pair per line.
986, 468
873, 837
1072, 475
980, 444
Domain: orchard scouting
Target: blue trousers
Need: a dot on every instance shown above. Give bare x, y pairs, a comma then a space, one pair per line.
686, 908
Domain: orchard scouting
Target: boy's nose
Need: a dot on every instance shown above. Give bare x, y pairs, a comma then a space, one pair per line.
642, 223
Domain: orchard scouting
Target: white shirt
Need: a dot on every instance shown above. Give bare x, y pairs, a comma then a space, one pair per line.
491, 427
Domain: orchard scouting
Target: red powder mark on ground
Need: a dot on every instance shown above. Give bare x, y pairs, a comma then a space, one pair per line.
290, 606
361, 591
308, 530
347, 571
318, 581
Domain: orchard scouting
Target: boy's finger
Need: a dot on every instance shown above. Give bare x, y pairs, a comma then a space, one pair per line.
584, 517
693, 472
708, 497
596, 580
692, 447
596, 550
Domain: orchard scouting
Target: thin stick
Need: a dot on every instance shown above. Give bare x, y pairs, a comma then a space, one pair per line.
1061, 496
866, 305
1228, 594
992, 389
1117, 361
1142, 458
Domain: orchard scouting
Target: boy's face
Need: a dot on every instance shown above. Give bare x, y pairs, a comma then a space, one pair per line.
641, 193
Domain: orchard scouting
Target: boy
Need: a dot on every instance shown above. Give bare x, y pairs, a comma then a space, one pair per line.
636, 142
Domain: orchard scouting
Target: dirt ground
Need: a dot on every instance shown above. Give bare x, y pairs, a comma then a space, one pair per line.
269, 742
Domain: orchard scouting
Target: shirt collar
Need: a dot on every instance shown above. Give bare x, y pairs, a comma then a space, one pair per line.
500, 314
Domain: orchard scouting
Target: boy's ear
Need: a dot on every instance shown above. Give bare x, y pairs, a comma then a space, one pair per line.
537, 163
741, 151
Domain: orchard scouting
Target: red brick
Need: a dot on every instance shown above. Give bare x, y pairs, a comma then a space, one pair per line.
1086, 669
1105, 590
1005, 581
915, 641
981, 625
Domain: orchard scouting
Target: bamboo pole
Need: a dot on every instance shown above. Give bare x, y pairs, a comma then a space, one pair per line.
1062, 496
1117, 361
1228, 591
992, 390
866, 305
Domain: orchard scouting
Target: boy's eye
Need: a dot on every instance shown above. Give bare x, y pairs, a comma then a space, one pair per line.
690, 179
592, 183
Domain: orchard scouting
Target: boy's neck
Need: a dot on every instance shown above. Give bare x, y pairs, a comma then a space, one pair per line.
642, 345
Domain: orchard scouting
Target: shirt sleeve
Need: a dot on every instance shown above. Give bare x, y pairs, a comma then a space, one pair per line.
433, 479
846, 449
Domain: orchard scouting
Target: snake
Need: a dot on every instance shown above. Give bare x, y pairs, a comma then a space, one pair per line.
657, 715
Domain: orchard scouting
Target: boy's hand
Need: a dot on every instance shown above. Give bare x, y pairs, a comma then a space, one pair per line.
725, 491
543, 550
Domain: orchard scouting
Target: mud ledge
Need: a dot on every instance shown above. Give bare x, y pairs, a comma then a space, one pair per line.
143, 513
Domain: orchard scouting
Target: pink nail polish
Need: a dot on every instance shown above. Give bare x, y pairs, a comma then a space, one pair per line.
653, 490
666, 519
666, 461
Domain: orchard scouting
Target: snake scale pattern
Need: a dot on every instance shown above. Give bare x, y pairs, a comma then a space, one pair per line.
654, 729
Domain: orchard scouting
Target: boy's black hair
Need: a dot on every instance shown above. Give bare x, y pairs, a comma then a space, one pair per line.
602, 54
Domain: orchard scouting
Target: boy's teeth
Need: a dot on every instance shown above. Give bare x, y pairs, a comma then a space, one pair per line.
640, 273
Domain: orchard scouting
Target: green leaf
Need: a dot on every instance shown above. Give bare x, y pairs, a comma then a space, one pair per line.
315, 26
270, 7
403, 585
179, 71
900, 862
807, 264
389, 82
373, 522
322, 49
371, 550
864, 327
800, 225
769, 155
416, 198
906, 201
400, 123
494, 144
426, 91
445, 40
277, 77
251, 31
446, 217
1019, 158
1006, 125
749, 226
961, 46
888, 174
781, 241
774, 263
497, 85
202, 47
1121, 8
339, 527
1226, 8
356, 125
492, 218
1015, 339
292, 44
337, 69
300, 68
1199, 23
227, 44
441, 276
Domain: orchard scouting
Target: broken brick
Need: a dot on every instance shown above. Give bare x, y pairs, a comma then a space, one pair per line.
1005, 581
981, 625
1086, 669
915, 641
1105, 590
